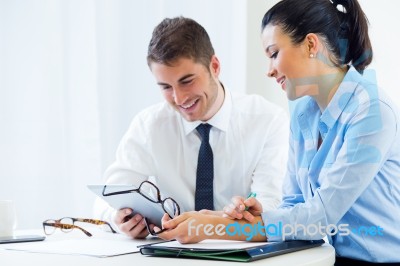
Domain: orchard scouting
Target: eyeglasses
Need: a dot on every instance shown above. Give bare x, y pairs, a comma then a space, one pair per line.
67, 224
151, 192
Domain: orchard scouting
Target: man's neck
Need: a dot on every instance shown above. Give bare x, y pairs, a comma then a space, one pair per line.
218, 102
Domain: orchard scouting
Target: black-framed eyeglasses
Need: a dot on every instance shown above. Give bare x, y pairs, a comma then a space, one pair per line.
67, 224
151, 192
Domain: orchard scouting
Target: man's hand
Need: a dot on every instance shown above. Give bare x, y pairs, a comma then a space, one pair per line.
193, 227
178, 228
208, 212
133, 226
237, 208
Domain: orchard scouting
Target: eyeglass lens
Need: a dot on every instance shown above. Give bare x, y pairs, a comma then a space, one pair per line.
64, 224
171, 207
150, 191
48, 227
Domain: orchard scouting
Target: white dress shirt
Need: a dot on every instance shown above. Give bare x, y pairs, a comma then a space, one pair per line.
249, 139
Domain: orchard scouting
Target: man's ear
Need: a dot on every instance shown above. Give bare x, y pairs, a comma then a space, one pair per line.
215, 66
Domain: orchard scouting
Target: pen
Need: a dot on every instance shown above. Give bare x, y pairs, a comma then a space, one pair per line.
251, 195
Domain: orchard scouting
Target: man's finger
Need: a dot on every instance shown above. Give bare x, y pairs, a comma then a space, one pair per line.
165, 219
121, 215
129, 224
177, 220
167, 235
138, 229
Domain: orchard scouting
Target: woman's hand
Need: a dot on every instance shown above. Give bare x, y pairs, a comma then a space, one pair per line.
237, 208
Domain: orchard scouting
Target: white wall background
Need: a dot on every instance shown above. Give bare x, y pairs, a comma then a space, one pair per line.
73, 73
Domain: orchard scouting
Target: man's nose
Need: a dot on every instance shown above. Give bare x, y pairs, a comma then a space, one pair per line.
179, 96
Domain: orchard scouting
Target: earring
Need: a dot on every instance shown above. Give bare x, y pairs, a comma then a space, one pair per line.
311, 55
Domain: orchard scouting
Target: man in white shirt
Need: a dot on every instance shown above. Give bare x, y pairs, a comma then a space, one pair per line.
248, 135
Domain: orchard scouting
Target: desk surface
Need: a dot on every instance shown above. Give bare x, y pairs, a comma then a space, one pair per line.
323, 255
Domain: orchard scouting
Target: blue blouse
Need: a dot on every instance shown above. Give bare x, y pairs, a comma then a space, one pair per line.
349, 188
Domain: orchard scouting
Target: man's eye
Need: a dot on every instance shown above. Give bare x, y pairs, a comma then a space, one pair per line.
166, 87
187, 81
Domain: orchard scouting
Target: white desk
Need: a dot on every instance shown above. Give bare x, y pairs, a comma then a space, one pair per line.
323, 255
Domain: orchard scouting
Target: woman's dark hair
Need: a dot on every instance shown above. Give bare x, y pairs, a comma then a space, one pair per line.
179, 37
340, 23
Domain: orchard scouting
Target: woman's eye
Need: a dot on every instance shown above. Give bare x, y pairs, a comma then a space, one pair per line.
274, 55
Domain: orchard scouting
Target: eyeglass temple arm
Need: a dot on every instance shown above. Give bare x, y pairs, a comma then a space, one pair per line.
67, 226
116, 192
94, 221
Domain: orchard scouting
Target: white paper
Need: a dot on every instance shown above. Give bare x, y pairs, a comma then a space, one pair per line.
214, 244
99, 245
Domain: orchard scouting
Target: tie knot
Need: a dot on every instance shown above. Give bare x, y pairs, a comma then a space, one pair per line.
204, 131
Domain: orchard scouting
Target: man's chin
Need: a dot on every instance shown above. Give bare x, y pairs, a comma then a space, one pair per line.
189, 118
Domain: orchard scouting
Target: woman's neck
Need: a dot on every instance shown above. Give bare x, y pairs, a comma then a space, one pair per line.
328, 85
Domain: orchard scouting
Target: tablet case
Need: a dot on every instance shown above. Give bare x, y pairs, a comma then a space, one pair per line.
240, 255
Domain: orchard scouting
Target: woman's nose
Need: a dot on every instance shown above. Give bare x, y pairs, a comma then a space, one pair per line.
271, 73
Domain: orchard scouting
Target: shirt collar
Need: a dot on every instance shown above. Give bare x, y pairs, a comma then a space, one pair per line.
220, 120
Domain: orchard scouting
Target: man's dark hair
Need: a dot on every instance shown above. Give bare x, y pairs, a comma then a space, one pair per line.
179, 37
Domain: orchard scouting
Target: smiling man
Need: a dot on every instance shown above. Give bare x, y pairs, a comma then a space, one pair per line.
204, 144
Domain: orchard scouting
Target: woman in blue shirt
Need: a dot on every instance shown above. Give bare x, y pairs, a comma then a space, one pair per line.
343, 178
344, 160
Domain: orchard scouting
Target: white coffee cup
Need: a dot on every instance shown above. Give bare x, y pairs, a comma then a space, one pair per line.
8, 218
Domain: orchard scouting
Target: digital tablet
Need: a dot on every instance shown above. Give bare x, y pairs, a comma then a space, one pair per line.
135, 201
20, 238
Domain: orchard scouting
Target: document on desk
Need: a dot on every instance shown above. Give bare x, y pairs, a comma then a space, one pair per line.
227, 250
111, 245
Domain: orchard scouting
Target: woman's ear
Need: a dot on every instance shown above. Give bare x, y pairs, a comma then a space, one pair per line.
313, 44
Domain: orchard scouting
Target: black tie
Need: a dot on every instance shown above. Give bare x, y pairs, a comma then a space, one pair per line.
204, 198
